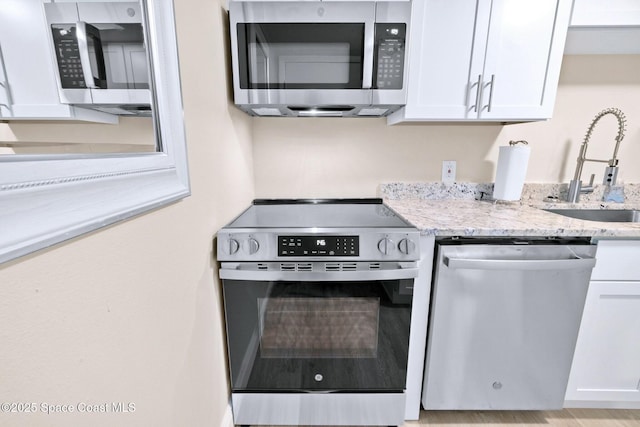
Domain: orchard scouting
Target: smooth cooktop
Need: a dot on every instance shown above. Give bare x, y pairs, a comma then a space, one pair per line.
321, 213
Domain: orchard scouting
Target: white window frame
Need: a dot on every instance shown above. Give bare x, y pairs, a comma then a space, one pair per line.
45, 200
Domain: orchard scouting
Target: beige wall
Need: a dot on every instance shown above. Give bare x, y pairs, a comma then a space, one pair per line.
131, 134
133, 313
350, 157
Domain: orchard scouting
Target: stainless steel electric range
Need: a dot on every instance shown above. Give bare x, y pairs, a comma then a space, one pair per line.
326, 307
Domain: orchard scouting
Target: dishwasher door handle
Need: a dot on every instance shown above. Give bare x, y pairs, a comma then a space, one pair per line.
518, 264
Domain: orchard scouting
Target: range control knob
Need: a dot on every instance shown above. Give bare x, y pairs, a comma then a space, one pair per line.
232, 246
386, 246
252, 246
406, 246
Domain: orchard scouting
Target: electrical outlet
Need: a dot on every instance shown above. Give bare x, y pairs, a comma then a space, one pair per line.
449, 171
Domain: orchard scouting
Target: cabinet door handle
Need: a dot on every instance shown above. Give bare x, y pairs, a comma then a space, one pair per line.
492, 84
476, 105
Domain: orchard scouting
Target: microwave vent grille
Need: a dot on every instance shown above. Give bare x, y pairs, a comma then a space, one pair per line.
266, 111
373, 112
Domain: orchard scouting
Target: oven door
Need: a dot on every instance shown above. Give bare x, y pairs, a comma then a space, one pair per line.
297, 331
302, 53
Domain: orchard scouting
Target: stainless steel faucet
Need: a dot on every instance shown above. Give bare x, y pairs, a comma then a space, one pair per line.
611, 171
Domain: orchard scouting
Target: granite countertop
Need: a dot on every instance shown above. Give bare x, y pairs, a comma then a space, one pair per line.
467, 210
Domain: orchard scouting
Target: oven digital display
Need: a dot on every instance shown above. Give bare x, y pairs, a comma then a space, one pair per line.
318, 246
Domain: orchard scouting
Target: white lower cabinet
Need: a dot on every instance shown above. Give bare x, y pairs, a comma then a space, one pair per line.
606, 366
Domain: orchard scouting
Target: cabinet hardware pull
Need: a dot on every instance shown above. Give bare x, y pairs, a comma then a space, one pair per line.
478, 85
491, 83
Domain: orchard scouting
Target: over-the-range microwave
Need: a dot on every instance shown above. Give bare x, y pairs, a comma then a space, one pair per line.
311, 58
101, 55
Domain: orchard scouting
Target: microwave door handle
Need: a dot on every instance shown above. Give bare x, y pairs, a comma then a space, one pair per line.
83, 49
85, 31
369, 46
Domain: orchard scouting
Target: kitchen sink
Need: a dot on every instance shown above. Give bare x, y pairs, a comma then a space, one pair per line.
605, 215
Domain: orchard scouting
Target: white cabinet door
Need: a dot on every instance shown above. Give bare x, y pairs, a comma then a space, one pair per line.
494, 60
445, 67
606, 364
523, 58
28, 88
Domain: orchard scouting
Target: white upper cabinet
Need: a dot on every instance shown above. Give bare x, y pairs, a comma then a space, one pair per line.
28, 87
611, 13
604, 27
492, 60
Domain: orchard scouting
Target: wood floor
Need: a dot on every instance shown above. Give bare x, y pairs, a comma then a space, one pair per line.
565, 418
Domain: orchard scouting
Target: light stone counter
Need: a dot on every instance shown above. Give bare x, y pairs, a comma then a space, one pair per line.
466, 210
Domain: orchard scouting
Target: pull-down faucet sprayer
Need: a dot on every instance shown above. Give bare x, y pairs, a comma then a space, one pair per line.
611, 171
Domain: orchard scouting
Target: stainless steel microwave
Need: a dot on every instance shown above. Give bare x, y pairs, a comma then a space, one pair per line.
101, 55
311, 58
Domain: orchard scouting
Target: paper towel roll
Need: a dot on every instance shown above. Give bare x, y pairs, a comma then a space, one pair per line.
511, 171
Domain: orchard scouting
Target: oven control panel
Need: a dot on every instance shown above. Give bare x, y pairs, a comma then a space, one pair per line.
318, 246
258, 245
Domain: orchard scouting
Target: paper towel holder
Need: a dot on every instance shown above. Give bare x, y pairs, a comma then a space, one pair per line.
511, 171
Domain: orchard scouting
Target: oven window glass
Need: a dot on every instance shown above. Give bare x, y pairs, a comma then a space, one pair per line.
301, 56
338, 336
318, 327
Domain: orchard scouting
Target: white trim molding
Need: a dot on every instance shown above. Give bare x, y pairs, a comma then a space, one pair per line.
45, 200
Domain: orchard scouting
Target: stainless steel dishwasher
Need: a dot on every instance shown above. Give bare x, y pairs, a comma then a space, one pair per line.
504, 322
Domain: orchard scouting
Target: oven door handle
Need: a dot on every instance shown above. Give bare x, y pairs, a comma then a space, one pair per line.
235, 272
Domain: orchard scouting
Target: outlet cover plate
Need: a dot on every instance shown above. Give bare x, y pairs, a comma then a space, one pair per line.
449, 171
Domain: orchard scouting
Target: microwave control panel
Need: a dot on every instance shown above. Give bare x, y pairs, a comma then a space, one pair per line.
68, 56
389, 55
